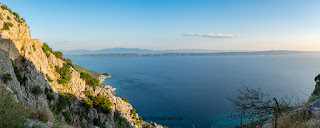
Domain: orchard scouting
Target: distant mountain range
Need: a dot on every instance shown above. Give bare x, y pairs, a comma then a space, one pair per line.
136, 52
141, 51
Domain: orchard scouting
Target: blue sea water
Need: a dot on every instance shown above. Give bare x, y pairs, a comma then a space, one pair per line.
187, 91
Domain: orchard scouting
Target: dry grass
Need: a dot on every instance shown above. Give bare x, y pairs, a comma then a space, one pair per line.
40, 114
12, 114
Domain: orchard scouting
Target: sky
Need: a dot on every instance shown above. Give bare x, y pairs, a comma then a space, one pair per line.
173, 24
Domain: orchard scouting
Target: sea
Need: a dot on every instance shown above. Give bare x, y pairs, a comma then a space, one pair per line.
193, 91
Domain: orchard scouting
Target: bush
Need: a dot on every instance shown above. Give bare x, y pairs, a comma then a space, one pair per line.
18, 75
40, 114
37, 90
103, 103
12, 114
8, 17
6, 26
124, 99
90, 81
96, 122
7, 77
49, 79
133, 112
58, 55
34, 47
63, 102
69, 62
50, 97
4, 7
66, 116
65, 74
46, 48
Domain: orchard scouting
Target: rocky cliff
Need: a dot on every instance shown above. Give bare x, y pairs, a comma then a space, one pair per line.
42, 79
11, 25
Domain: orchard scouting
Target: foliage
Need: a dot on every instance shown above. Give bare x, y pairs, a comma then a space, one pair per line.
107, 74
120, 121
58, 55
65, 74
103, 103
40, 114
67, 116
93, 74
49, 79
90, 81
316, 91
7, 77
96, 122
63, 102
69, 62
46, 48
7, 25
15, 116
133, 112
125, 99
34, 47
22, 48
18, 75
50, 97
4, 7
37, 90
87, 93
8, 17
147, 126
49, 92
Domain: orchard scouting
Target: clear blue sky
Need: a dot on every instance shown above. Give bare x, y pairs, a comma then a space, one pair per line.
173, 24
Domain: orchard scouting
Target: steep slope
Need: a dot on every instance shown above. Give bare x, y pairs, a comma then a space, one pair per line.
44, 80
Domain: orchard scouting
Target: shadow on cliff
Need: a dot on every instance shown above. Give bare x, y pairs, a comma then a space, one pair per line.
66, 105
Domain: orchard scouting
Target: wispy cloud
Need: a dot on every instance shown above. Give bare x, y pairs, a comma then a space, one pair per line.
212, 35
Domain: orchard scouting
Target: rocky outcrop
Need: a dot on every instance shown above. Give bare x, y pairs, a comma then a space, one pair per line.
11, 25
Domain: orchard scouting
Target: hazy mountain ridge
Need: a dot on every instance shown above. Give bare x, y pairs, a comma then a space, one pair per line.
280, 52
141, 51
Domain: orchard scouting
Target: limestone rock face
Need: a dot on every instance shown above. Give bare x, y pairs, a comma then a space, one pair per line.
18, 30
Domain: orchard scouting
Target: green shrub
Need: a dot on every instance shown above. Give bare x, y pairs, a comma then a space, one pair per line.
58, 55
12, 113
133, 112
69, 62
6, 26
34, 47
4, 7
63, 102
96, 122
103, 103
107, 74
124, 99
46, 48
49, 79
8, 17
37, 90
22, 48
147, 126
67, 116
90, 81
18, 75
50, 97
7, 77
65, 74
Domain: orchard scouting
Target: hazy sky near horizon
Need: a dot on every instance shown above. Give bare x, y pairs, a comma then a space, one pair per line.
173, 24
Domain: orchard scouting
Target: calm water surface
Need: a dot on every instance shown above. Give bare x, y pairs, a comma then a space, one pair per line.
187, 91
